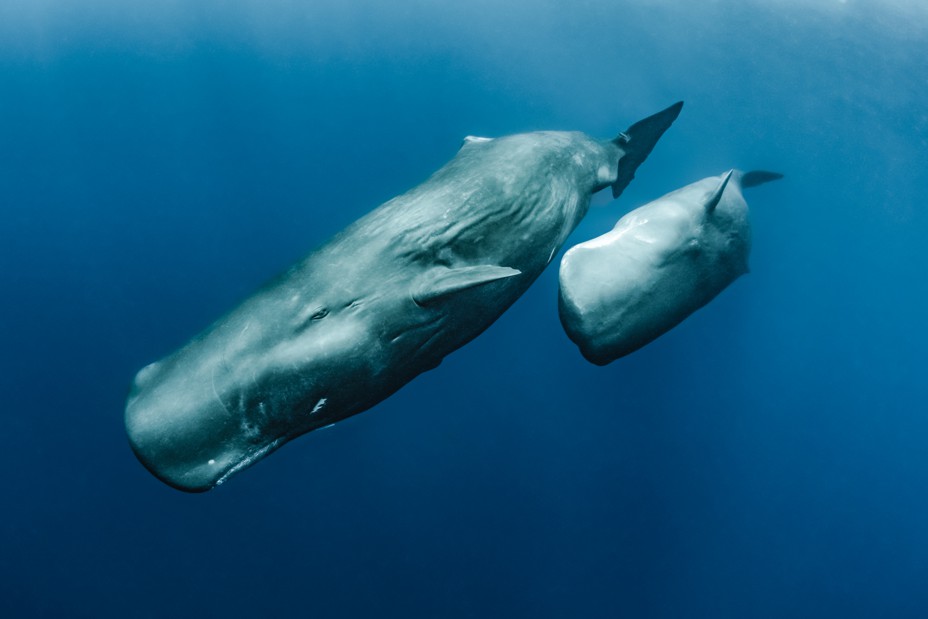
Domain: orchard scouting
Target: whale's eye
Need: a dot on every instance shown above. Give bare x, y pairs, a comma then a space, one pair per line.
319, 314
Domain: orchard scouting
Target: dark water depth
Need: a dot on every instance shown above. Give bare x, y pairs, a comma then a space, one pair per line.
768, 458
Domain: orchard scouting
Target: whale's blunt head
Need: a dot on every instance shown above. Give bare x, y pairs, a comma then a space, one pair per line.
179, 428
599, 292
249, 384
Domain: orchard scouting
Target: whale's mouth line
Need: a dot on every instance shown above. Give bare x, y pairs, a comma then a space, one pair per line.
258, 453
250, 459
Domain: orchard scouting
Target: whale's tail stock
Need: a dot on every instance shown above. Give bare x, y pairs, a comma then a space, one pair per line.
637, 142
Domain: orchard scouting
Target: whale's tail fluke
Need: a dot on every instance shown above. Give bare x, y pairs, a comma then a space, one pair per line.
638, 141
758, 177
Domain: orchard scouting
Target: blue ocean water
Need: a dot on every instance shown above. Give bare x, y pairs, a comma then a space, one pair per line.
767, 458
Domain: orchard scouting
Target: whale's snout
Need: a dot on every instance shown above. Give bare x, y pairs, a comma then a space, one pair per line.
182, 432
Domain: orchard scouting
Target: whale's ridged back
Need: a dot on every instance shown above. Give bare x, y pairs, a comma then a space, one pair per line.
498, 186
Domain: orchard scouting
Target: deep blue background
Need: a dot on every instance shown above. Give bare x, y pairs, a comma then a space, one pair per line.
768, 458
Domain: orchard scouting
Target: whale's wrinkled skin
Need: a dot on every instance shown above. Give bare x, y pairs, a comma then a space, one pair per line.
660, 263
383, 301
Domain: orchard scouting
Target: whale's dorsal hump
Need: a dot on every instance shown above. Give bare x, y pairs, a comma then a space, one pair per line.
713, 199
439, 282
473, 139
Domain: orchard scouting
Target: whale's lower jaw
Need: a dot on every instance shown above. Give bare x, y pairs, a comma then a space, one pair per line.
248, 460
213, 472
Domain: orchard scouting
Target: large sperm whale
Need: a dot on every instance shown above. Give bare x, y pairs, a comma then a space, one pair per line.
380, 303
661, 262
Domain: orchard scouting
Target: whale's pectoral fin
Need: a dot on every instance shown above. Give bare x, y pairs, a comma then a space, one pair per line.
758, 177
715, 197
439, 282
637, 142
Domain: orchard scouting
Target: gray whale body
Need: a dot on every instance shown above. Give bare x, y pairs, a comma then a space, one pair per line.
659, 264
383, 301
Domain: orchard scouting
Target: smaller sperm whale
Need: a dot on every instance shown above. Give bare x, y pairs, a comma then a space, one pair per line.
661, 262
